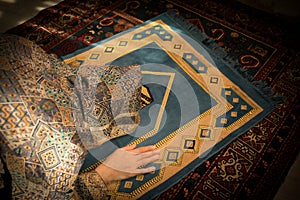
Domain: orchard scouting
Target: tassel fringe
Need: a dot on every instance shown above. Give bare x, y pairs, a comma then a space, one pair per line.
213, 48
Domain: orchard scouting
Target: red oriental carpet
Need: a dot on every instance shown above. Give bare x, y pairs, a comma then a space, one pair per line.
262, 47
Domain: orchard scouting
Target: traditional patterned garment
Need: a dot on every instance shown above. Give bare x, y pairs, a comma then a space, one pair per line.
39, 144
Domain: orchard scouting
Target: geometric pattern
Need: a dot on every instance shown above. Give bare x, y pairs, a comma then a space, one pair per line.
14, 115
157, 30
189, 144
123, 43
195, 63
172, 157
205, 133
239, 108
10, 89
109, 49
94, 56
177, 46
49, 157
23, 135
214, 80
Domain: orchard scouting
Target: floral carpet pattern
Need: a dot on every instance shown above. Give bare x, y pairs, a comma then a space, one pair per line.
264, 153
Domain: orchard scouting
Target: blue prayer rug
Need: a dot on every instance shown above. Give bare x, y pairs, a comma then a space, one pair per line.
201, 99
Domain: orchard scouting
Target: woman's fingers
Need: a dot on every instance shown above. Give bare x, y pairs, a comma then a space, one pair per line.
148, 154
144, 149
129, 147
147, 160
145, 170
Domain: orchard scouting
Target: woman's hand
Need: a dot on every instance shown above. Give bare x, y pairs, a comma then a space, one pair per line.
127, 162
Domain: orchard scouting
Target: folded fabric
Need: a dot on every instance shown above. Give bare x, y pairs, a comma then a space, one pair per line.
108, 100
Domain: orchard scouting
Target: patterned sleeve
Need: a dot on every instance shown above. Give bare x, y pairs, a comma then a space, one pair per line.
38, 143
90, 185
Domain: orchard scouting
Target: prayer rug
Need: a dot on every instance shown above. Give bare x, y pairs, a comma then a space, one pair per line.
200, 101
262, 43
